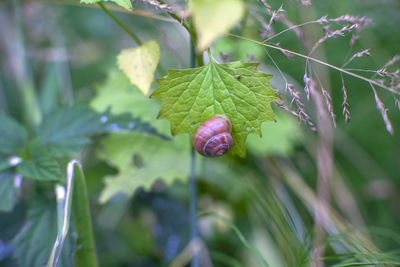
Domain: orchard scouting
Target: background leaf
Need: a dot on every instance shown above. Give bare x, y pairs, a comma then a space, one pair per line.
277, 139
236, 90
7, 194
127, 4
63, 130
66, 130
49, 94
141, 159
214, 18
40, 166
139, 64
125, 122
12, 135
4, 163
33, 243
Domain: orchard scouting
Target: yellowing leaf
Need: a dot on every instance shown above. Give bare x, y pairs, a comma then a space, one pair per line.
213, 18
140, 63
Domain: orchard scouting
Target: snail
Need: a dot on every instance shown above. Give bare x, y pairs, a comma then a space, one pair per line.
213, 138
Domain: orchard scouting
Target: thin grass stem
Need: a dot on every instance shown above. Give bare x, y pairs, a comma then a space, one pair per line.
319, 62
239, 234
291, 28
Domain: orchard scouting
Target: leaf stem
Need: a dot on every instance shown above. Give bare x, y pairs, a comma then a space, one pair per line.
320, 62
189, 26
121, 24
177, 18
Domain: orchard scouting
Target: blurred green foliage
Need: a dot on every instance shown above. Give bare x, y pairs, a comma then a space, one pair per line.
71, 51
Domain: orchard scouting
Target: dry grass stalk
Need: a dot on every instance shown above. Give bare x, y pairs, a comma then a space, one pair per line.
294, 113
381, 107
397, 103
392, 61
302, 115
353, 25
274, 17
159, 5
325, 168
360, 23
384, 73
307, 85
391, 79
264, 2
357, 55
333, 34
345, 104
288, 55
306, 2
265, 27
328, 103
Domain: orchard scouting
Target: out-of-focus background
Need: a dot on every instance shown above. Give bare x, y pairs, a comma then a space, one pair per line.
67, 52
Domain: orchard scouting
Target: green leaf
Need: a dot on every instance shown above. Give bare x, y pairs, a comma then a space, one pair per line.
118, 96
63, 130
214, 18
12, 135
141, 159
139, 64
237, 90
33, 243
127, 4
40, 166
7, 194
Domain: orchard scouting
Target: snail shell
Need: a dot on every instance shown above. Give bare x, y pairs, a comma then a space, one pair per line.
213, 138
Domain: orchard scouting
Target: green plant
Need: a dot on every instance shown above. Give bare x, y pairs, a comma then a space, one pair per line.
143, 136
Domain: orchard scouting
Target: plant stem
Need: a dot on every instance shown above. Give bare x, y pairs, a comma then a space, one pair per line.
23, 76
160, 69
121, 24
193, 37
193, 205
189, 26
178, 19
192, 181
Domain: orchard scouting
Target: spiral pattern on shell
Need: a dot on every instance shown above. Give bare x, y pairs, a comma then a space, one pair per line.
213, 138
